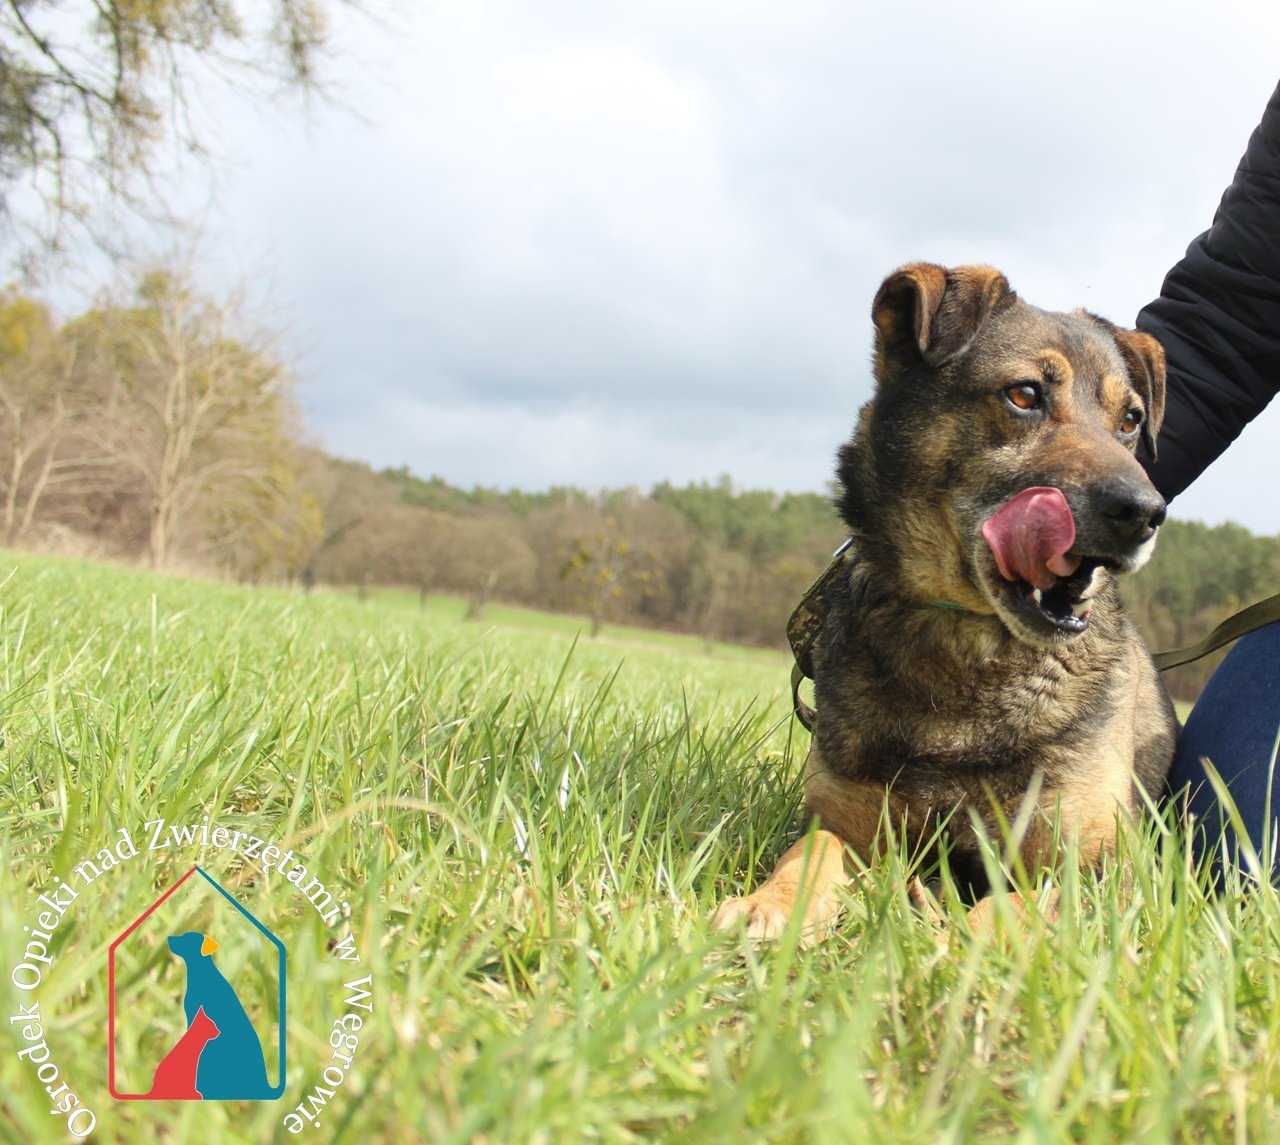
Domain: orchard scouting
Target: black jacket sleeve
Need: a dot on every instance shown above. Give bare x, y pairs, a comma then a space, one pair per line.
1218, 318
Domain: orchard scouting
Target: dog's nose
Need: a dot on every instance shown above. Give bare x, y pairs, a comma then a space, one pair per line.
1133, 511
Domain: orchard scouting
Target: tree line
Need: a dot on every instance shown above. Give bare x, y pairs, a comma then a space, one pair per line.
160, 425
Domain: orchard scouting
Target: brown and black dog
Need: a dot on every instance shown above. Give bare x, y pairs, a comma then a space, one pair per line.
976, 649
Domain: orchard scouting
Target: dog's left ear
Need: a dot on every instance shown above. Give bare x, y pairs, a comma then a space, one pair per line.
1144, 359
924, 313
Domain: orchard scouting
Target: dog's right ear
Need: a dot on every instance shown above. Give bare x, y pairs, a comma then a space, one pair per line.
927, 313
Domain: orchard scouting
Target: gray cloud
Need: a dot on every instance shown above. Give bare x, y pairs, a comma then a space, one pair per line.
617, 243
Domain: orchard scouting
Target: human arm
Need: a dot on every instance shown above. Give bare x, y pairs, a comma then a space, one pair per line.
1218, 318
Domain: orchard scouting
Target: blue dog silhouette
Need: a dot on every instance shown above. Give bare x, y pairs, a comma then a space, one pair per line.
231, 1066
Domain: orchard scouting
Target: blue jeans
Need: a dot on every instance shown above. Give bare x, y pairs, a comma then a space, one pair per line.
1235, 724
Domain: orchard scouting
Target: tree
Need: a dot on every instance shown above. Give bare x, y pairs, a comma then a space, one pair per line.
716, 587
605, 562
268, 528
88, 88
189, 406
362, 525
40, 414
31, 410
482, 556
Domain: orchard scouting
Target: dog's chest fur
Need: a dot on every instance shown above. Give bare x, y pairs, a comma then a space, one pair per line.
947, 708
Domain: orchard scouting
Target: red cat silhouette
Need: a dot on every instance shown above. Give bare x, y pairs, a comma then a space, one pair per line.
175, 1076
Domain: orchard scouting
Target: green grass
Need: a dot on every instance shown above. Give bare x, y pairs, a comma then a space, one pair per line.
530, 835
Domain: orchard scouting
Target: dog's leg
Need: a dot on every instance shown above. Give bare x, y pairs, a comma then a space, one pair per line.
1086, 808
1037, 851
806, 877
809, 873
982, 915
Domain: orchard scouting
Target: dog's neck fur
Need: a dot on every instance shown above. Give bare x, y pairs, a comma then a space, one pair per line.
917, 646
942, 679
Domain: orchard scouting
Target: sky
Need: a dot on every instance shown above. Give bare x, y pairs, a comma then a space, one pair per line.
611, 244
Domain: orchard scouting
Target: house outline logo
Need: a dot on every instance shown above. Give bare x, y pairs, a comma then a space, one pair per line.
175, 1076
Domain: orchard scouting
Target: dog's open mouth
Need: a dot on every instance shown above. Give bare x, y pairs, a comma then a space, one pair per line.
1042, 581
1064, 605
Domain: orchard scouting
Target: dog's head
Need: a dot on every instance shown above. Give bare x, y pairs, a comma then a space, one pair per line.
994, 467
191, 944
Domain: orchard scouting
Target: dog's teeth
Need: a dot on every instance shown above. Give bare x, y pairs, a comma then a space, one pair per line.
1035, 595
1080, 608
1095, 583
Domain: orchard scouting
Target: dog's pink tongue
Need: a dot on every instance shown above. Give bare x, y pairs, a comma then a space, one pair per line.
1030, 534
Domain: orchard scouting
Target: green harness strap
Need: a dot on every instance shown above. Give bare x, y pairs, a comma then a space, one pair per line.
805, 623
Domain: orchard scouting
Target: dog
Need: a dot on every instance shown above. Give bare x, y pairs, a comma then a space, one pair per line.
974, 655
231, 1066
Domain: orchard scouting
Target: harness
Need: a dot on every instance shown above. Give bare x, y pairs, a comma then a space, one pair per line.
806, 620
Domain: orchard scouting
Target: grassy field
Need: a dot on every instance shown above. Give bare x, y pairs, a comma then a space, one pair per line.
529, 835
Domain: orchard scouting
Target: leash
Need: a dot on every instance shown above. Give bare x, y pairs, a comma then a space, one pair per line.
806, 619
1241, 624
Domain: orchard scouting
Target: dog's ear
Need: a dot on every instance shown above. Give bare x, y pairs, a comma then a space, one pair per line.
927, 313
1144, 359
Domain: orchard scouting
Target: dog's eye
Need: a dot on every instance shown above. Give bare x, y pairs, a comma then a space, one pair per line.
1130, 422
1025, 395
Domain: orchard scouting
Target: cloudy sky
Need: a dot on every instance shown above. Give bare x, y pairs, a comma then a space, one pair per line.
614, 243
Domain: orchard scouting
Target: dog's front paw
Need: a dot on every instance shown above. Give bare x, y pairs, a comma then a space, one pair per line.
983, 915
765, 916
762, 916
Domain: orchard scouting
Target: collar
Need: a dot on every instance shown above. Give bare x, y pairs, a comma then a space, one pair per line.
950, 606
